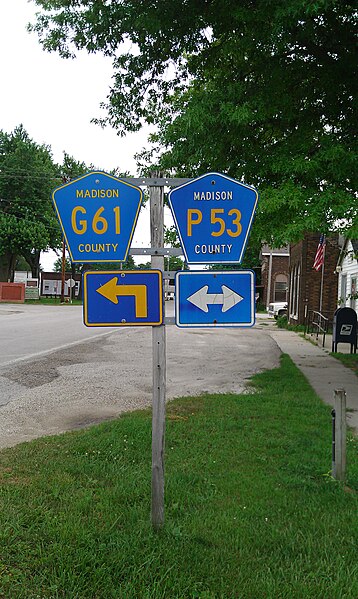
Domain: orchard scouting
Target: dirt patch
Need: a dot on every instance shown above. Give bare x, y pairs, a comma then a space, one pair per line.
45, 369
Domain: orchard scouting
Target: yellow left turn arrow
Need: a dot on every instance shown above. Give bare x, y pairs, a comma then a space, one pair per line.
112, 291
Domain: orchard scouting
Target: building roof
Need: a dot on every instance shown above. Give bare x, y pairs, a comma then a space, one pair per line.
284, 251
343, 251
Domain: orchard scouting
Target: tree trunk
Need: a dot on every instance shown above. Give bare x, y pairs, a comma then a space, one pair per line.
12, 267
33, 259
73, 272
6, 261
84, 269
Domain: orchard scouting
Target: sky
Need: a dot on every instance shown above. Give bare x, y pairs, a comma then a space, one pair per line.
55, 100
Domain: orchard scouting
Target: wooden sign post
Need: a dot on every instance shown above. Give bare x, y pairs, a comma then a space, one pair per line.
339, 435
156, 196
155, 185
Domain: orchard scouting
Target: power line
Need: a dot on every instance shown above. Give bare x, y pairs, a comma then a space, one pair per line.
32, 222
25, 200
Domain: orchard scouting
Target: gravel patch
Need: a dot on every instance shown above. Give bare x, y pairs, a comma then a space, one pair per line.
101, 378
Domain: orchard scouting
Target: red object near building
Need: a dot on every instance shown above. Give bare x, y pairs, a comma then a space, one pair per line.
12, 292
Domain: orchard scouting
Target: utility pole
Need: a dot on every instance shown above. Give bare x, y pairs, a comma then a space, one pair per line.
63, 271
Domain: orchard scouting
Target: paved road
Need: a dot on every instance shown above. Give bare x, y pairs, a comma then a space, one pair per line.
27, 329
101, 377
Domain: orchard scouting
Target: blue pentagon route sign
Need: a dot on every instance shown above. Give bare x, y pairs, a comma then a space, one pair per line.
213, 215
98, 214
123, 298
215, 299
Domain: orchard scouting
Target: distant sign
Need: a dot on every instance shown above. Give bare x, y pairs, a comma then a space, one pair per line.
123, 298
98, 214
215, 299
213, 215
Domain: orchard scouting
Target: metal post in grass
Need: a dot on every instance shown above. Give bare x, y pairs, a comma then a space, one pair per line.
339, 435
156, 196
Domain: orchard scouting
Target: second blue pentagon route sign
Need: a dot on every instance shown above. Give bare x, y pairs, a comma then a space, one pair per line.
98, 214
213, 215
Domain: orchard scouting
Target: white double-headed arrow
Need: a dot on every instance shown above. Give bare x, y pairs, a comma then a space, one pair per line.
228, 298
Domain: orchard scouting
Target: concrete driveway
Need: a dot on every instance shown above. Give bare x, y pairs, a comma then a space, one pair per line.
101, 377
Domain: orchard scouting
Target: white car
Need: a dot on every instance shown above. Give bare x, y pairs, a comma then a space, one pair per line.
277, 309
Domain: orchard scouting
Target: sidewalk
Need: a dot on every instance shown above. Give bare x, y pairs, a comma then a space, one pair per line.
324, 373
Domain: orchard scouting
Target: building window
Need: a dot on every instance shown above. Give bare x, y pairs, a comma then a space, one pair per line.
298, 289
295, 291
291, 292
280, 290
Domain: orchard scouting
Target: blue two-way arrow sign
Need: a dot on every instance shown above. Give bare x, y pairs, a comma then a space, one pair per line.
215, 299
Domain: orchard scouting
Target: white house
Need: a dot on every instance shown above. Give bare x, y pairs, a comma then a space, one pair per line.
347, 269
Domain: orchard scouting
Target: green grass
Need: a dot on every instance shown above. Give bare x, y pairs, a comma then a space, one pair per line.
283, 323
261, 308
349, 360
251, 511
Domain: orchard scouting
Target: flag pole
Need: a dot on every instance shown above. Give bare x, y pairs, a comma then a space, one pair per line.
322, 275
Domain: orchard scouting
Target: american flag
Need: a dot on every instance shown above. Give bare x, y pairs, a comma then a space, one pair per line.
319, 257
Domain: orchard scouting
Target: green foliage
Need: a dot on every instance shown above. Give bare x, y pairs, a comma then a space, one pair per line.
57, 267
144, 266
21, 264
72, 168
27, 221
171, 237
262, 91
174, 263
250, 261
282, 323
349, 360
128, 265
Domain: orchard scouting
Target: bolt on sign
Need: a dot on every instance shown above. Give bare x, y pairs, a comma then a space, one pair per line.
98, 214
213, 215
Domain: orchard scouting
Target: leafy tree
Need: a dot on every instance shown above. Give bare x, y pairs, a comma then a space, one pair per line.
27, 221
174, 263
250, 261
69, 266
144, 266
72, 168
21, 264
171, 237
260, 90
129, 264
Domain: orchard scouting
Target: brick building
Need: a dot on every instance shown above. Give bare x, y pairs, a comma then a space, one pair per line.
274, 274
305, 282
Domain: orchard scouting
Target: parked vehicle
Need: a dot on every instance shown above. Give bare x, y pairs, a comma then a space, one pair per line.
169, 289
277, 309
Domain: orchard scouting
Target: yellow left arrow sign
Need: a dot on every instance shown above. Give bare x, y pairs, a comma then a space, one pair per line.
111, 291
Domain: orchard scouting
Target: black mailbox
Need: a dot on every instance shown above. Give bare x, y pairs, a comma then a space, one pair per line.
345, 328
